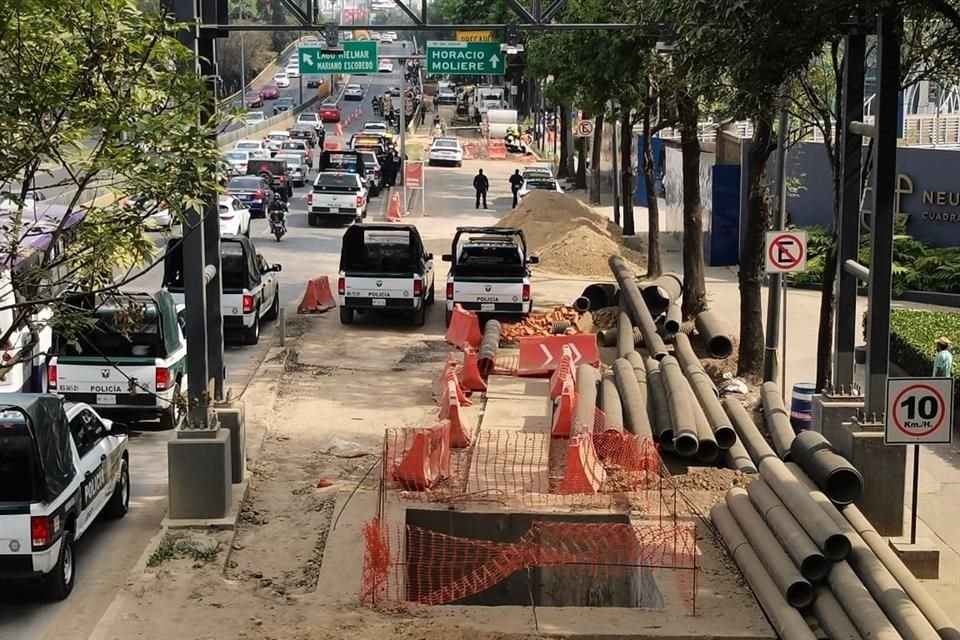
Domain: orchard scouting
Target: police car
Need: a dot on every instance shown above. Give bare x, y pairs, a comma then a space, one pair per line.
61, 465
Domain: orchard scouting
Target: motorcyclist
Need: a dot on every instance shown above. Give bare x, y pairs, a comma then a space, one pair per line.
278, 213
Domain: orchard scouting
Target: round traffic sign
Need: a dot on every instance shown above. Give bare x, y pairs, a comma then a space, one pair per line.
918, 410
585, 128
785, 251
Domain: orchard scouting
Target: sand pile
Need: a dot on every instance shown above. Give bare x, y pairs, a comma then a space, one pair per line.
568, 237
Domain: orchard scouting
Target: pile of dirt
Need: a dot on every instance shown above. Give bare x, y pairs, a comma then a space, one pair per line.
568, 237
711, 479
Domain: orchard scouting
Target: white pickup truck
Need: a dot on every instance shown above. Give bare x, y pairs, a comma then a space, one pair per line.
338, 195
384, 268
251, 287
489, 272
61, 466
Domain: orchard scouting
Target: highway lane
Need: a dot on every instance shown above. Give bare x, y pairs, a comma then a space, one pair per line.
108, 552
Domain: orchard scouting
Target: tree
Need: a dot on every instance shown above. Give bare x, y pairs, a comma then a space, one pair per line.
257, 55
110, 105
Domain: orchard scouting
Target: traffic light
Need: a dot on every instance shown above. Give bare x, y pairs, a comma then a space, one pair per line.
331, 35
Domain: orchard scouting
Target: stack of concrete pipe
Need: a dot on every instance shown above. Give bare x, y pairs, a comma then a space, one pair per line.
800, 552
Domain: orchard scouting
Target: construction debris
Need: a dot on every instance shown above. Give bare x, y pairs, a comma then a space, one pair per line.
541, 324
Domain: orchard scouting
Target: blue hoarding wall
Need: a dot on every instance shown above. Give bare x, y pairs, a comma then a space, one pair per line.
723, 238
928, 191
656, 148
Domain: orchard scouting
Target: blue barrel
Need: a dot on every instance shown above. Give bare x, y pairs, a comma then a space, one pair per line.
801, 406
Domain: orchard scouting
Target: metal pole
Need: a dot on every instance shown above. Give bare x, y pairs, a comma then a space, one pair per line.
783, 342
775, 280
403, 137
848, 228
243, 67
916, 494
882, 218
615, 166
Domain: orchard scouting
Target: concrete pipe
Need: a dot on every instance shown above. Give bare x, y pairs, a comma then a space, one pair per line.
777, 420
624, 335
685, 440
892, 598
582, 304
786, 621
635, 415
794, 540
662, 292
796, 589
714, 333
671, 324
829, 613
707, 452
610, 404
747, 431
737, 458
585, 322
633, 303
863, 611
658, 406
831, 472
585, 408
706, 393
600, 295
920, 596
640, 371
607, 337
821, 529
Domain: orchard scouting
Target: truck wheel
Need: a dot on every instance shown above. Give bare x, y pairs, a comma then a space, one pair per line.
447, 316
59, 583
312, 220
252, 335
171, 416
120, 500
274, 312
432, 294
346, 315
420, 315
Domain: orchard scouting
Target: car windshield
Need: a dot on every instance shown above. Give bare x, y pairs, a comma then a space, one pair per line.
253, 94
336, 182
375, 126
255, 115
279, 136
448, 144
235, 155
541, 184
289, 157
308, 117
17, 468
353, 87
248, 145
284, 102
329, 106
244, 183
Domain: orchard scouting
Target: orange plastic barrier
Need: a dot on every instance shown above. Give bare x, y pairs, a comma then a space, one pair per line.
464, 329
453, 396
470, 377
317, 297
338, 131
497, 150
394, 209
563, 411
566, 371
331, 146
440, 384
583, 473
427, 460
540, 355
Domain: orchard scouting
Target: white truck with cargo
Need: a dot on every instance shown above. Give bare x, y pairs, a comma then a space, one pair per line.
385, 269
489, 272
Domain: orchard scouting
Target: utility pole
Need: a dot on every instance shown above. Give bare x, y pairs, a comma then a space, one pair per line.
775, 280
243, 66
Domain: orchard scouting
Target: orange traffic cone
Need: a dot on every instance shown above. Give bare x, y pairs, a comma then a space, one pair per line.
470, 373
394, 209
584, 473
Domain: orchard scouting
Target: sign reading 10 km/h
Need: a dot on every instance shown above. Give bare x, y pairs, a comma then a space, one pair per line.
465, 58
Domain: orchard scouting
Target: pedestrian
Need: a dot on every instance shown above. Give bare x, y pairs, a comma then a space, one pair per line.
389, 171
516, 181
943, 361
423, 115
481, 185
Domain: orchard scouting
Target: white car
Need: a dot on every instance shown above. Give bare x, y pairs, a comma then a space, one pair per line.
9, 200
255, 148
253, 117
391, 36
539, 183
275, 139
293, 70
155, 215
385, 66
312, 119
445, 150
376, 127
282, 80
537, 171
353, 92
234, 217
237, 161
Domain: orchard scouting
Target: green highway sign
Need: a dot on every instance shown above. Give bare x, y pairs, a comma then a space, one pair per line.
357, 57
465, 58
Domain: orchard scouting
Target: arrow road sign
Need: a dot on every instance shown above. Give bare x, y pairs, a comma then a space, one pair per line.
358, 56
541, 355
786, 251
919, 411
465, 58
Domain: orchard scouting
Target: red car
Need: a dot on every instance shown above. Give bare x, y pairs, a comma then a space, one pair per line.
329, 112
270, 92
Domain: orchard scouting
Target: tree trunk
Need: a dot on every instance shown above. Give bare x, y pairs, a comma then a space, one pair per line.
694, 287
654, 268
595, 177
580, 181
751, 257
563, 171
626, 171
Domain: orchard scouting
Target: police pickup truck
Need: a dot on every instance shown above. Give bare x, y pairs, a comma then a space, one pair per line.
489, 272
251, 287
133, 361
385, 268
61, 465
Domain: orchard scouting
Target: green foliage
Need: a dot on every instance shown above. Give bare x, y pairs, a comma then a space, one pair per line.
912, 336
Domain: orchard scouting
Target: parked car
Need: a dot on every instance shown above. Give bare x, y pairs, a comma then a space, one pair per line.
253, 192
445, 150
372, 172
253, 99
353, 92
446, 95
329, 112
281, 79
234, 217
270, 92
282, 104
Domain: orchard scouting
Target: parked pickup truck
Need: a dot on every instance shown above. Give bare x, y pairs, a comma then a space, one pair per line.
489, 272
132, 362
61, 466
251, 287
385, 268
337, 195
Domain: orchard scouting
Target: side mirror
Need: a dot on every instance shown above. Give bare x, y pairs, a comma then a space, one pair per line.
117, 428
447, 257
276, 267
533, 260
429, 256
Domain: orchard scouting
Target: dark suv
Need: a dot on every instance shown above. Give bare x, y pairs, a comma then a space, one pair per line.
275, 172
282, 104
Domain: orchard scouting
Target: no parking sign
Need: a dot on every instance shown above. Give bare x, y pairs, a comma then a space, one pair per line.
786, 251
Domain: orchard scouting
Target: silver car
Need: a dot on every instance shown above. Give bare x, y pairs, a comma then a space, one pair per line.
297, 166
237, 162
353, 92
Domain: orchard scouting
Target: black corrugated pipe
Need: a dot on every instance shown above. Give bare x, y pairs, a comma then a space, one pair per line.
658, 406
685, 440
747, 431
836, 477
639, 370
674, 318
582, 304
624, 335
662, 292
714, 333
635, 415
633, 302
601, 295
777, 419
705, 393
487, 353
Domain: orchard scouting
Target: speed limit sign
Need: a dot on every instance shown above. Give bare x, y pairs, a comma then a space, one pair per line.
919, 411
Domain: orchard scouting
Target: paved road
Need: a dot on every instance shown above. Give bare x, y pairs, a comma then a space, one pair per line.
109, 550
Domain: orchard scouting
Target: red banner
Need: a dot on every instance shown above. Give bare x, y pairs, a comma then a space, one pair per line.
413, 176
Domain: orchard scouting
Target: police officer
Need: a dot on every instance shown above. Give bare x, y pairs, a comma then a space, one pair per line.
481, 185
516, 181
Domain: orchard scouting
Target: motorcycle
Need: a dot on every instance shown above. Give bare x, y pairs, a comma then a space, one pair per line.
278, 220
